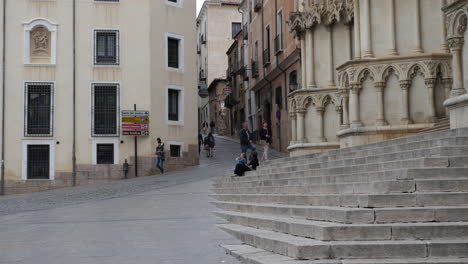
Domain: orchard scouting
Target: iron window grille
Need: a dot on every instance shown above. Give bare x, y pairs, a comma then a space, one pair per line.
173, 106
106, 47
173, 52
39, 110
105, 153
175, 151
38, 165
105, 109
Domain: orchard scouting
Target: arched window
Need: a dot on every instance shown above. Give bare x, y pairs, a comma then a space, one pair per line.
293, 81
40, 38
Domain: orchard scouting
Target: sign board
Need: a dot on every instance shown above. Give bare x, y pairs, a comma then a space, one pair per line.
227, 90
135, 120
135, 123
131, 113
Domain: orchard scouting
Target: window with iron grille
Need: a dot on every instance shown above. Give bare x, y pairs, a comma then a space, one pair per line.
173, 52
173, 106
105, 109
175, 150
39, 107
105, 153
106, 47
38, 162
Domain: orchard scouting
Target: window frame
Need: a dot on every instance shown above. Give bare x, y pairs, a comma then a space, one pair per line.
176, 143
105, 140
181, 52
117, 47
118, 107
181, 105
24, 169
179, 3
30, 26
52, 109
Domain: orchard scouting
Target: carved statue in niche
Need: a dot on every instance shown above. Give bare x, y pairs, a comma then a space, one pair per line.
40, 43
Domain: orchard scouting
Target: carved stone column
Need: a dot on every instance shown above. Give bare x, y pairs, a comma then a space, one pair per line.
293, 117
444, 46
354, 106
430, 84
321, 123
447, 87
357, 30
303, 63
300, 113
380, 121
331, 70
310, 59
417, 25
339, 112
367, 44
345, 110
392, 51
405, 86
456, 47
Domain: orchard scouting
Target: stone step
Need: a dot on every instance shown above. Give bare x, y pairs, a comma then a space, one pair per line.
347, 215
348, 153
402, 163
454, 133
423, 158
381, 187
354, 200
363, 177
304, 248
327, 231
251, 255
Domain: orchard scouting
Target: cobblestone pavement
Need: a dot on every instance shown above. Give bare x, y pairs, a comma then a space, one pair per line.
158, 220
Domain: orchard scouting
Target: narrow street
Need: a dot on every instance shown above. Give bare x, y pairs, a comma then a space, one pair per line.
162, 220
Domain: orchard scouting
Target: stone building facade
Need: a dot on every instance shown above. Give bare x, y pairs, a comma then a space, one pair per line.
274, 64
69, 69
217, 94
372, 70
216, 22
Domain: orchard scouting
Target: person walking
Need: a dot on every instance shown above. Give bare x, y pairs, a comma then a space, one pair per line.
209, 145
212, 126
265, 137
246, 139
205, 127
160, 156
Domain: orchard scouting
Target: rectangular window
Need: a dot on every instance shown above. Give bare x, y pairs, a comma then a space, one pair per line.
236, 28
38, 162
175, 150
173, 53
279, 97
39, 109
105, 110
105, 153
173, 106
176, 3
106, 47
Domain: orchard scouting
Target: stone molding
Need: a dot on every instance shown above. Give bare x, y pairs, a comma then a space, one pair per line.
320, 12
382, 129
458, 101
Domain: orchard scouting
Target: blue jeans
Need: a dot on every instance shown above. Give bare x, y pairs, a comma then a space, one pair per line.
245, 148
160, 164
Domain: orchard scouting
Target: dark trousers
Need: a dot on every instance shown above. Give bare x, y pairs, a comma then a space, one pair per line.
160, 164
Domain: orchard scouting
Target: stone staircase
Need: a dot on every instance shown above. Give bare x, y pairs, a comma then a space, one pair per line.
441, 124
393, 202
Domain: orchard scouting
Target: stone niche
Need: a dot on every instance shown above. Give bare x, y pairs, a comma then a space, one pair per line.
40, 45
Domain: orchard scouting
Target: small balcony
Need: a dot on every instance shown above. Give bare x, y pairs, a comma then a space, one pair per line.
257, 5
266, 57
254, 68
278, 44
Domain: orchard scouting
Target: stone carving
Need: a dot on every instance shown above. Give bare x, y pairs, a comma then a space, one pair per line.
456, 43
40, 41
461, 28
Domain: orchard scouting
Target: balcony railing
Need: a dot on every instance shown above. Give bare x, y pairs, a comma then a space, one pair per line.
278, 44
266, 57
245, 32
257, 5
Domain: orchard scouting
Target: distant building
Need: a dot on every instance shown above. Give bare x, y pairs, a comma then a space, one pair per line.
127, 53
217, 24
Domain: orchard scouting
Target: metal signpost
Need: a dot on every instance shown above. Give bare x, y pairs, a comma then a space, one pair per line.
135, 123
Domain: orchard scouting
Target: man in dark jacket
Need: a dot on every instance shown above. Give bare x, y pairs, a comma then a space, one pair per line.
246, 139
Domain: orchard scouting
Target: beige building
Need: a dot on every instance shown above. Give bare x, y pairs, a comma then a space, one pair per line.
372, 70
62, 113
217, 24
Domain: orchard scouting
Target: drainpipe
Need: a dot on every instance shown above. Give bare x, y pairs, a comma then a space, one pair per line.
74, 97
2, 174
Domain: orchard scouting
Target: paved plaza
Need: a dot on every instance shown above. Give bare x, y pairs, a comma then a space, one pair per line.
160, 220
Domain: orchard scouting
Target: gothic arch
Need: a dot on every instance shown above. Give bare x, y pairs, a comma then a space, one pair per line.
457, 24
388, 71
365, 73
417, 68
